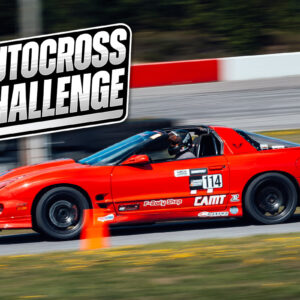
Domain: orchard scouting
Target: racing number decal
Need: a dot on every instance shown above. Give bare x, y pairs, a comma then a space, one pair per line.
212, 181
206, 182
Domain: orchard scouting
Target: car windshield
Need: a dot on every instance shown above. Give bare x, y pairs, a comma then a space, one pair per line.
119, 151
262, 142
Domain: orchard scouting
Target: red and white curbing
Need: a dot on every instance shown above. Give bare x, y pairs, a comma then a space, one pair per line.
221, 69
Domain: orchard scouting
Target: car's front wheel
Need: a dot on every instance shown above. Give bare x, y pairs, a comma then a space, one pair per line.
59, 213
271, 198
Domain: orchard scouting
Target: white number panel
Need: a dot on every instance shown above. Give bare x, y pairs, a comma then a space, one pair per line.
212, 181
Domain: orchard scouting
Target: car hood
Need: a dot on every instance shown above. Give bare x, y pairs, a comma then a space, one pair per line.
39, 168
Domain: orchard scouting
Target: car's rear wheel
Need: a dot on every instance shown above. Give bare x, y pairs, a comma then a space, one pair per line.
59, 213
271, 198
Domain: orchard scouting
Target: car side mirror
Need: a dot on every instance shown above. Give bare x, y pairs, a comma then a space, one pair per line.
141, 159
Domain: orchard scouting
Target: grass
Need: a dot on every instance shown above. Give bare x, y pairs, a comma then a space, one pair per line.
292, 135
263, 267
15, 231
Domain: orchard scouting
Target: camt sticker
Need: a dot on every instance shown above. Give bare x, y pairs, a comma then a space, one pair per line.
66, 80
209, 200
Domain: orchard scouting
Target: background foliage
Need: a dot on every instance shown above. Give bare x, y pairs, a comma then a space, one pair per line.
178, 29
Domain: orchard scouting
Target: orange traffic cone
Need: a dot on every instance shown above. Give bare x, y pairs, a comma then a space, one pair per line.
95, 231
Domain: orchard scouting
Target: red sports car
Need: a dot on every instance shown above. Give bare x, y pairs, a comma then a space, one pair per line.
228, 173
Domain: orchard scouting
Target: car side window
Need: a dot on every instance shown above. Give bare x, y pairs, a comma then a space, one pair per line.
157, 150
203, 145
206, 145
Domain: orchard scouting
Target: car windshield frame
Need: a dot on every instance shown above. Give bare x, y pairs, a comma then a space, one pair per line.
118, 152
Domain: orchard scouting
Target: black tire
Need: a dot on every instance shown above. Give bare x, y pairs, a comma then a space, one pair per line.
271, 198
59, 213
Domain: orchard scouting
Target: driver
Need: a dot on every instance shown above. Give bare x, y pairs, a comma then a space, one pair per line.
180, 142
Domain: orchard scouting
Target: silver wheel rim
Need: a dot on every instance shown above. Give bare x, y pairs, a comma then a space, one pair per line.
63, 214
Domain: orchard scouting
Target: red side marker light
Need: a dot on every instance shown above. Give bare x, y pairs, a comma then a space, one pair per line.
22, 206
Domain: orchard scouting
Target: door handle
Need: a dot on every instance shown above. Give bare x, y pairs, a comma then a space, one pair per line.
216, 168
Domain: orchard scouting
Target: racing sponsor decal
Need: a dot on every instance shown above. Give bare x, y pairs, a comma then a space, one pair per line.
264, 146
162, 203
235, 198
109, 217
209, 200
277, 147
66, 80
198, 171
182, 173
196, 182
129, 207
205, 214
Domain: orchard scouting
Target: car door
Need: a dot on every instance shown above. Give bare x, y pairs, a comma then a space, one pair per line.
178, 186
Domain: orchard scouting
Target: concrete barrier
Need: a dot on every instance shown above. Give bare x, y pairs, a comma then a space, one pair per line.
220, 69
259, 66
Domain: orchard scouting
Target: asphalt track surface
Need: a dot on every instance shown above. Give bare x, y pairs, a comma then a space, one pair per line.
251, 105
162, 232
